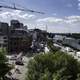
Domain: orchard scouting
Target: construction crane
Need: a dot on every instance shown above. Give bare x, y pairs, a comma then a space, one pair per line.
16, 8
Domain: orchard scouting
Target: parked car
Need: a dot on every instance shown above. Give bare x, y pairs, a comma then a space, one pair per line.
19, 62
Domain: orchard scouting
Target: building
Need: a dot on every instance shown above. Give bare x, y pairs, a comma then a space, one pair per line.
38, 35
19, 38
39, 39
15, 24
4, 29
71, 42
58, 37
3, 41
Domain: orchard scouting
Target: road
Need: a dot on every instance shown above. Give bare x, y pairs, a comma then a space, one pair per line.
23, 69
69, 51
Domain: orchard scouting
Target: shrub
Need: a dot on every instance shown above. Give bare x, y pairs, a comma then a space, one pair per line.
58, 66
3, 66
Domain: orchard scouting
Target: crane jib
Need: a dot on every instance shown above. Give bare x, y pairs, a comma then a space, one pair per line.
15, 8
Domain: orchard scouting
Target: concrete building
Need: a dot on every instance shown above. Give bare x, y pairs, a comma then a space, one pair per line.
58, 38
3, 41
19, 38
67, 41
15, 24
4, 28
39, 39
72, 43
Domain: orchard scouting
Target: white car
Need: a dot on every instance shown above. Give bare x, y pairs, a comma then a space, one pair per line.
78, 54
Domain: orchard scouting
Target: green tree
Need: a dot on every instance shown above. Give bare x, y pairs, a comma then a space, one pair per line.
58, 66
51, 47
3, 66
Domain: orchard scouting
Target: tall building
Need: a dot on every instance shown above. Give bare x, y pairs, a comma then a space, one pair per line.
3, 41
14, 24
4, 29
19, 38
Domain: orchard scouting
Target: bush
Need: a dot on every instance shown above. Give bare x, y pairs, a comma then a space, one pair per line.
51, 47
58, 66
3, 66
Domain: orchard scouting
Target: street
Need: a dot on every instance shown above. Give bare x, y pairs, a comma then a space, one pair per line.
21, 69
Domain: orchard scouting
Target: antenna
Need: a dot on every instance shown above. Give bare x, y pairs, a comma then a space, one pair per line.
46, 28
14, 5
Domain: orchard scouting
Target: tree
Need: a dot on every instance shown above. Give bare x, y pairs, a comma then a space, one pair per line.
58, 66
51, 47
3, 66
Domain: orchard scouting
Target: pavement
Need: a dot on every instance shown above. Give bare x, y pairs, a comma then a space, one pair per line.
22, 69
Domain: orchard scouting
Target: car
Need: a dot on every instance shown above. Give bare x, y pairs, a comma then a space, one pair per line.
8, 78
13, 58
19, 62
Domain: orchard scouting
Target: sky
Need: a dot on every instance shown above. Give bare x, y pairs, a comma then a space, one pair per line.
62, 16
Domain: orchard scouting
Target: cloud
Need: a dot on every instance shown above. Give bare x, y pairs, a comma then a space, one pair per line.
72, 19
23, 17
78, 4
65, 24
8, 15
67, 20
50, 20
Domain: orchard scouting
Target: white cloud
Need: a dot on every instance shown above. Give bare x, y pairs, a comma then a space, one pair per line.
66, 24
79, 0
78, 4
68, 20
30, 16
16, 15
72, 19
50, 20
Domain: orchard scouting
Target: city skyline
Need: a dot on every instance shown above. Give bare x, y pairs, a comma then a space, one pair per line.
60, 15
